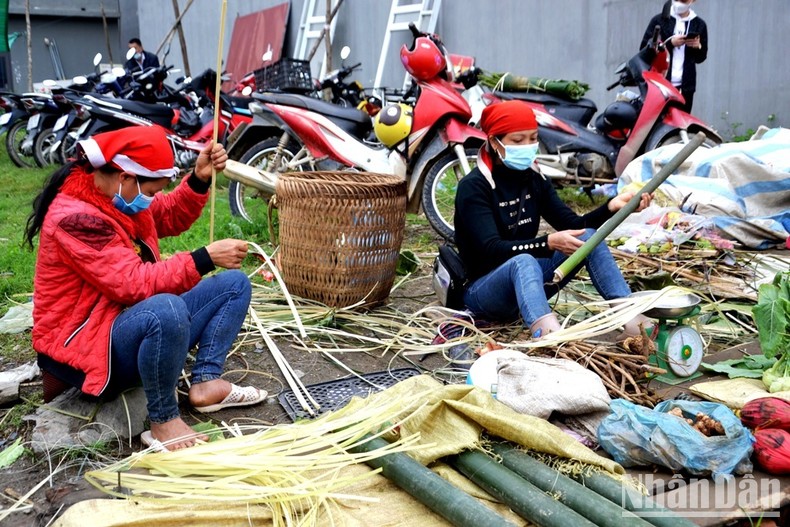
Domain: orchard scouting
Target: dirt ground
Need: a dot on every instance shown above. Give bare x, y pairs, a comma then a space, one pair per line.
67, 486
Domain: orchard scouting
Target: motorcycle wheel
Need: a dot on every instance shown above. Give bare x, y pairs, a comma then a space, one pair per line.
13, 142
68, 146
42, 149
438, 191
248, 202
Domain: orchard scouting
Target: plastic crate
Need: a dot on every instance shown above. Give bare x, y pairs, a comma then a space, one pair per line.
333, 395
289, 75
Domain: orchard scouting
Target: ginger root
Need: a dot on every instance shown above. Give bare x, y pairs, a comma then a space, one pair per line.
702, 423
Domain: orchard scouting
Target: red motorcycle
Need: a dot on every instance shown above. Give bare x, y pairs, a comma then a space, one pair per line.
572, 150
430, 144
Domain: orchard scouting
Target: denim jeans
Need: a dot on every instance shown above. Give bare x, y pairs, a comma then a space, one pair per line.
523, 284
150, 340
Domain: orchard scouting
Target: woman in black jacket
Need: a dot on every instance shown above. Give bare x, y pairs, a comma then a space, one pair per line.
686, 38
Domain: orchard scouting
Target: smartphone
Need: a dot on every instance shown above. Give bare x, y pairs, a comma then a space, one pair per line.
691, 36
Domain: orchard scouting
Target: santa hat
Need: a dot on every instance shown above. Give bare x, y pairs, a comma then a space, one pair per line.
138, 150
505, 117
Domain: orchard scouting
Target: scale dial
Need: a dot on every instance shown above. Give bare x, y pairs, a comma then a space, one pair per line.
684, 350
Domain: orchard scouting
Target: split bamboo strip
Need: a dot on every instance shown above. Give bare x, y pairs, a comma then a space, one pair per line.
299, 389
217, 112
288, 465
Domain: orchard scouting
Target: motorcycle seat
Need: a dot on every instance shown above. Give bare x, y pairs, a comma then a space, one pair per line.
157, 113
352, 120
581, 110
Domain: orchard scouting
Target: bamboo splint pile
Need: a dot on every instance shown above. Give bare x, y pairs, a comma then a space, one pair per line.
706, 275
622, 372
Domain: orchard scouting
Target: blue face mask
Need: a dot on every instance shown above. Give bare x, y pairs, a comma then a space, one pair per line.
138, 56
138, 204
519, 157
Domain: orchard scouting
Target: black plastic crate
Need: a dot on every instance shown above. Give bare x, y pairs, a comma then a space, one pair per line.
289, 75
333, 395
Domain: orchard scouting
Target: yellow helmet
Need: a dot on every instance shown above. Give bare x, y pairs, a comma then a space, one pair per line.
393, 123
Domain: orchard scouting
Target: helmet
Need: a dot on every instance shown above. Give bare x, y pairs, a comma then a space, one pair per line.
424, 60
617, 119
393, 123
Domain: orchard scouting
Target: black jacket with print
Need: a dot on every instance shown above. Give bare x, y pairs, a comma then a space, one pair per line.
489, 229
688, 82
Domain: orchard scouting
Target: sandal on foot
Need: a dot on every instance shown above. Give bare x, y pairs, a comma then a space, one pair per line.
238, 396
150, 442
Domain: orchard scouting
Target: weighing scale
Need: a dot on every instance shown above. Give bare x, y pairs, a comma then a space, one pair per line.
679, 347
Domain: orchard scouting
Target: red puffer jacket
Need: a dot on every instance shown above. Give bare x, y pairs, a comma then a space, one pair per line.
88, 270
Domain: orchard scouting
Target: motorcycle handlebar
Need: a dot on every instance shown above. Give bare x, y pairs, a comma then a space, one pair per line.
612, 86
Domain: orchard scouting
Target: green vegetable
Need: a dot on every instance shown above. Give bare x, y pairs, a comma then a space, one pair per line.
750, 366
772, 314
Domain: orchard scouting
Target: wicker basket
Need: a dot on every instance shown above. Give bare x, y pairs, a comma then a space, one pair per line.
340, 235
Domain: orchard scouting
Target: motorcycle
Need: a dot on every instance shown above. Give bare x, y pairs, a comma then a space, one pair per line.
430, 145
573, 150
189, 128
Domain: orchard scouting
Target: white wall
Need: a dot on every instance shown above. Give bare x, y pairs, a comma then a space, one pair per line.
746, 73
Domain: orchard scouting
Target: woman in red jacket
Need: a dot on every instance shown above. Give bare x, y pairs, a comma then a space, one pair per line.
108, 309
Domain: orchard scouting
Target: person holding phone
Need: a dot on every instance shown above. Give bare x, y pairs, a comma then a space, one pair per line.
686, 37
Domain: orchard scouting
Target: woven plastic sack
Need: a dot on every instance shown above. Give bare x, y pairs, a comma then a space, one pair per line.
635, 436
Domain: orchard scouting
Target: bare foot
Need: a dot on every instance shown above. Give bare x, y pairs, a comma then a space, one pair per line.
174, 429
209, 392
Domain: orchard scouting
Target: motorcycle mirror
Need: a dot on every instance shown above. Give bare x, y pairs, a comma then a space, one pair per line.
345, 52
267, 56
246, 91
149, 86
80, 80
130, 54
97, 59
118, 71
107, 78
49, 83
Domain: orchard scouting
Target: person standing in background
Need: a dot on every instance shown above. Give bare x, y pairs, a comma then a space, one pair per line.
686, 37
142, 59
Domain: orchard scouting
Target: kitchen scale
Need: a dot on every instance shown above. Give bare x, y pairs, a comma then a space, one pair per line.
679, 347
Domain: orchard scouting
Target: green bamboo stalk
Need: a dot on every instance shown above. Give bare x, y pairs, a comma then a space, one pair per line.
526, 500
582, 252
446, 500
586, 502
633, 501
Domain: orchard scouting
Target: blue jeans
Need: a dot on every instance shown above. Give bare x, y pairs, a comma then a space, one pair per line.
150, 340
523, 284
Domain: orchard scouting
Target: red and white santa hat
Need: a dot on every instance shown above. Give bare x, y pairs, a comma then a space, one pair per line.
138, 150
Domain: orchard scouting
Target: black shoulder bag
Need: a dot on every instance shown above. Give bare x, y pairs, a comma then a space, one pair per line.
449, 278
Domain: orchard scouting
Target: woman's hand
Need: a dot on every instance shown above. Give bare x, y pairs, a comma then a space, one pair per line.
227, 253
566, 242
619, 201
213, 155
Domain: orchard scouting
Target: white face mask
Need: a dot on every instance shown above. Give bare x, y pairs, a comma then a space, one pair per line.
681, 8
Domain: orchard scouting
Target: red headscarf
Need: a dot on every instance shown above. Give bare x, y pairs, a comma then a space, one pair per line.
508, 116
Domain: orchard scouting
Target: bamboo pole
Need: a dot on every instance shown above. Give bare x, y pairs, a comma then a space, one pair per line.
526, 500
181, 40
106, 33
217, 113
29, 47
173, 28
446, 500
582, 252
586, 502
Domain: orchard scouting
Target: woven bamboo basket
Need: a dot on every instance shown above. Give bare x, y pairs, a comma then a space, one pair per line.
340, 235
